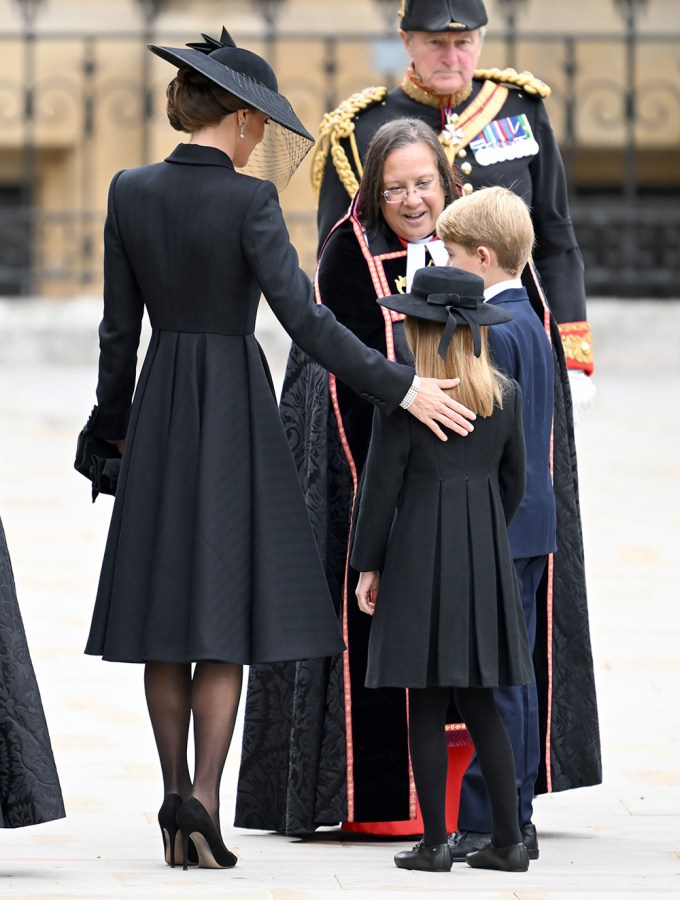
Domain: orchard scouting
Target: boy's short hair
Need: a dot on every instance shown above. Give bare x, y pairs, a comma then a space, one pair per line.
493, 217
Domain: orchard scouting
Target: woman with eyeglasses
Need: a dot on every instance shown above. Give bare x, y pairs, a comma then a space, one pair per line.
329, 750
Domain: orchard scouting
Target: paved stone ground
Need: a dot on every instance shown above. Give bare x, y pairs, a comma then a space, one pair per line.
615, 840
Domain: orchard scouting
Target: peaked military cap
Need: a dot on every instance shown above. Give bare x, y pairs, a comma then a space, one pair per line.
442, 15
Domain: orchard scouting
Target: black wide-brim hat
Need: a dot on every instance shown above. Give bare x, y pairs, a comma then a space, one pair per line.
442, 15
450, 296
250, 78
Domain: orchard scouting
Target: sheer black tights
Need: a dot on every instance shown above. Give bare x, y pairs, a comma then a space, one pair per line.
211, 695
429, 758
168, 698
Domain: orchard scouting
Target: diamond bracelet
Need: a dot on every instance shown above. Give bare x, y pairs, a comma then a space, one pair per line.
411, 394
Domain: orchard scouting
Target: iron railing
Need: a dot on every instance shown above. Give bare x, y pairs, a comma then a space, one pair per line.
628, 227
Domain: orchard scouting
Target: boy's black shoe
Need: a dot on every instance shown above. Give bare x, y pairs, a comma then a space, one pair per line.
530, 839
505, 859
463, 842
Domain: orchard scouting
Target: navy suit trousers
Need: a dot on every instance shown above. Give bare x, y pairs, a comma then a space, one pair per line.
518, 708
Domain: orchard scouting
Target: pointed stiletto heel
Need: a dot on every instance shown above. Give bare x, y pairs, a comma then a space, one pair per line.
194, 823
173, 850
167, 819
185, 848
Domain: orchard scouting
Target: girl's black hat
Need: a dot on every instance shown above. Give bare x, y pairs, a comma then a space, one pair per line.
451, 296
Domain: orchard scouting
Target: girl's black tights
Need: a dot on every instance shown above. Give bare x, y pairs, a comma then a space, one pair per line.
429, 757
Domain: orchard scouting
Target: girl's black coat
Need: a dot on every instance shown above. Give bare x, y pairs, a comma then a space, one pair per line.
210, 555
432, 520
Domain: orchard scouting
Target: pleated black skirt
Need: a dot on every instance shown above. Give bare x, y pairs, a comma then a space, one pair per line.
210, 554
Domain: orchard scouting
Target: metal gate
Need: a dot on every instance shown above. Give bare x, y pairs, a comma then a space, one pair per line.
622, 118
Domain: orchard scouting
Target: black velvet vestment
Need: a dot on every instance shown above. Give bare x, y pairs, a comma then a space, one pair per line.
29, 784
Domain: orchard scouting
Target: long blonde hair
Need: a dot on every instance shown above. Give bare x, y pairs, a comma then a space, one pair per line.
481, 385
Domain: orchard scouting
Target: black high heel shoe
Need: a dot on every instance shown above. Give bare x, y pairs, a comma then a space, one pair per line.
195, 824
172, 839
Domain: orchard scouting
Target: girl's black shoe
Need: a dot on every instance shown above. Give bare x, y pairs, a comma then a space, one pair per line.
428, 859
196, 825
172, 839
506, 859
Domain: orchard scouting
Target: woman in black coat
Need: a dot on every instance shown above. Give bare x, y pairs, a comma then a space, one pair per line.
210, 557
436, 569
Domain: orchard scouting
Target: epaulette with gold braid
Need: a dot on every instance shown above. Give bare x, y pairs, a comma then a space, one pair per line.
524, 80
336, 125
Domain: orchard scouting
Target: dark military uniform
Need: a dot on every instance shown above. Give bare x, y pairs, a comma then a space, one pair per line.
499, 135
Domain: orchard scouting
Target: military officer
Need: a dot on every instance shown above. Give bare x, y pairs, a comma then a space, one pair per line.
495, 128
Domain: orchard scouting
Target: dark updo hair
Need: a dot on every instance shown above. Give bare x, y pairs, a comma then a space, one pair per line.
195, 101
392, 136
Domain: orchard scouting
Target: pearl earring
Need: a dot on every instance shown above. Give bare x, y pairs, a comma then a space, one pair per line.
242, 130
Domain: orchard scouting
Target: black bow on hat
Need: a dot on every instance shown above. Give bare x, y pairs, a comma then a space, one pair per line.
451, 296
208, 44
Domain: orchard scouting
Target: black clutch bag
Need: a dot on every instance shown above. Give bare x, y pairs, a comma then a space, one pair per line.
97, 460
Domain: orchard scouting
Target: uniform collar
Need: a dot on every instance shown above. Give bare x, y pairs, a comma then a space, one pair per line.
198, 155
416, 90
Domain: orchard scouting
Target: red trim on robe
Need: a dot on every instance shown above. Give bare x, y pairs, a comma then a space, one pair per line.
549, 590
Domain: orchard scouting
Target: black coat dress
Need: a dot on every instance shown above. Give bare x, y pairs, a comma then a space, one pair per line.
433, 520
29, 784
210, 554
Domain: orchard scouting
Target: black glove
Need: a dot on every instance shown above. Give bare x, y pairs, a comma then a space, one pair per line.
97, 460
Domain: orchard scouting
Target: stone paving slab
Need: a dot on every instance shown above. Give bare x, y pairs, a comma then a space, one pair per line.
613, 841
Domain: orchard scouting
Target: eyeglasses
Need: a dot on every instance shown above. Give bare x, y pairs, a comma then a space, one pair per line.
422, 189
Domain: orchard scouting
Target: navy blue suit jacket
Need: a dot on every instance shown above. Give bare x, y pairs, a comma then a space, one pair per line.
521, 349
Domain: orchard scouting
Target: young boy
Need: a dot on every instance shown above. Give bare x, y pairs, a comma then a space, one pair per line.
490, 234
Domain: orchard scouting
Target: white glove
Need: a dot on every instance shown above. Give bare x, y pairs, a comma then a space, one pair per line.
582, 392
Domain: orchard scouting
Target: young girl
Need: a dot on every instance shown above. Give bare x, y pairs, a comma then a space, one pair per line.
433, 520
